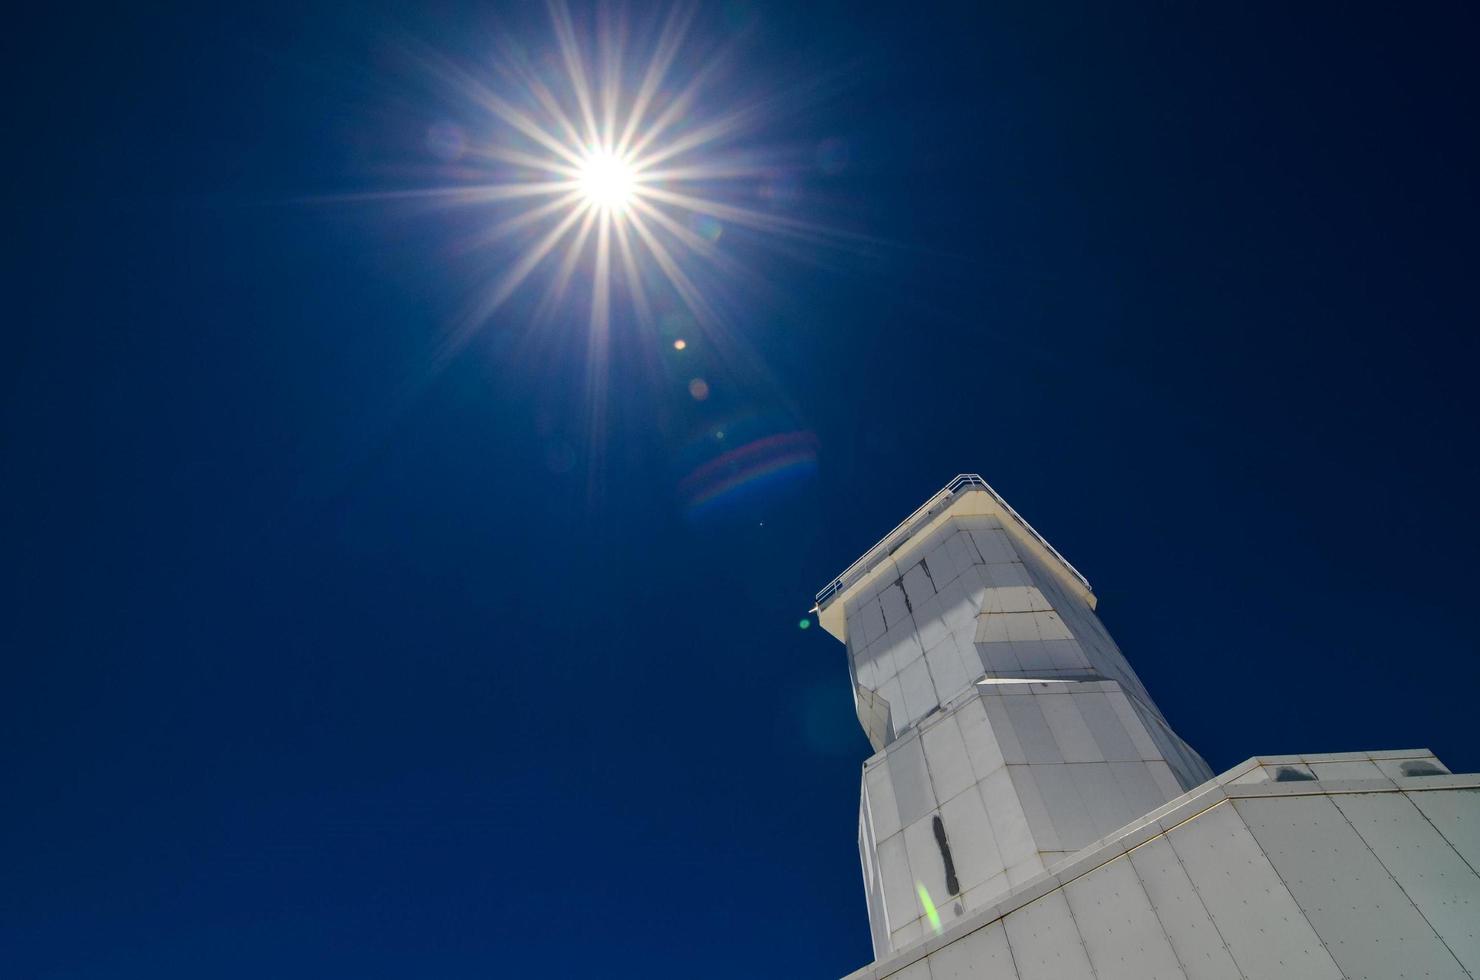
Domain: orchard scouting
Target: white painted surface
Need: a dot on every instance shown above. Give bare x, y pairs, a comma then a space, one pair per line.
1456, 815
1258, 919
1367, 923
1045, 943
1167, 908
1121, 931
1000, 705
926, 866
973, 842
1190, 930
1444, 889
980, 955
945, 754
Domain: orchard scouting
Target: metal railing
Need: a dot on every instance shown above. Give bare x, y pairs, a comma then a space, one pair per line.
963, 483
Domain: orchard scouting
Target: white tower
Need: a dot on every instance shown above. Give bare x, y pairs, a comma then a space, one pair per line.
1018, 757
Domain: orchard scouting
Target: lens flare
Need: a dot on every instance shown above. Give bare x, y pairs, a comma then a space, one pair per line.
750, 469
932, 915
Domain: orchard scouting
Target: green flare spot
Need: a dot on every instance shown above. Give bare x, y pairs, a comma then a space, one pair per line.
805, 624
929, 907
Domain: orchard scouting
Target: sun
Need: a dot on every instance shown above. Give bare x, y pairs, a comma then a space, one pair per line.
608, 156
608, 181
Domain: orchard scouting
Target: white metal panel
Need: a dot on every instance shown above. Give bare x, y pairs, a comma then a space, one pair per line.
1032, 655
1024, 626
918, 970
1013, 598
1120, 930
941, 561
1163, 776
991, 628
1403, 768
912, 790
1369, 926
918, 587
1134, 726
1443, 887
963, 554
883, 811
1009, 822
971, 658
993, 545
1031, 728
999, 658
981, 743
903, 644
907, 934
1258, 919
926, 864
1072, 823
1008, 574
870, 621
945, 754
919, 692
1064, 655
1002, 728
878, 919
946, 670
1027, 869
979, 955
987, 892
1454, 813
929, 625
891, 692
1140, 790
1076, 742
895, 610
1051, 626
881, 651
992, 602
959, 601
1098, 790
1352, 769
973, 844
1044, 941
1194, 938
1105, 725
1040, 825
899, 886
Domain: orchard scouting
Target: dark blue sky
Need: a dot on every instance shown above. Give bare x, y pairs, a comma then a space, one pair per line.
318, 662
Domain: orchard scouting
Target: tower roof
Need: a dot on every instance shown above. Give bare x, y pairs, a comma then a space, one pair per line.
966, 494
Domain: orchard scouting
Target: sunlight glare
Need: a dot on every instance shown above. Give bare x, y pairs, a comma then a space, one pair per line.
607, 181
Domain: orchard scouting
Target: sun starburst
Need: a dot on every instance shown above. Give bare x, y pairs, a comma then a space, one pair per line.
623, 181
612, 170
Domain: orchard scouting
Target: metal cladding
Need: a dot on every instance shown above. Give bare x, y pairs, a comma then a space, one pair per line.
1029, 812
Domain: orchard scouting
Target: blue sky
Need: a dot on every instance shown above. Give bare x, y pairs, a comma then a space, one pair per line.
324, 656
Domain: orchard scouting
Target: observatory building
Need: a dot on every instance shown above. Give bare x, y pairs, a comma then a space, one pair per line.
1029, 813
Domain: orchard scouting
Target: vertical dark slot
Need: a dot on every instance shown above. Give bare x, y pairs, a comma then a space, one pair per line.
952, 885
